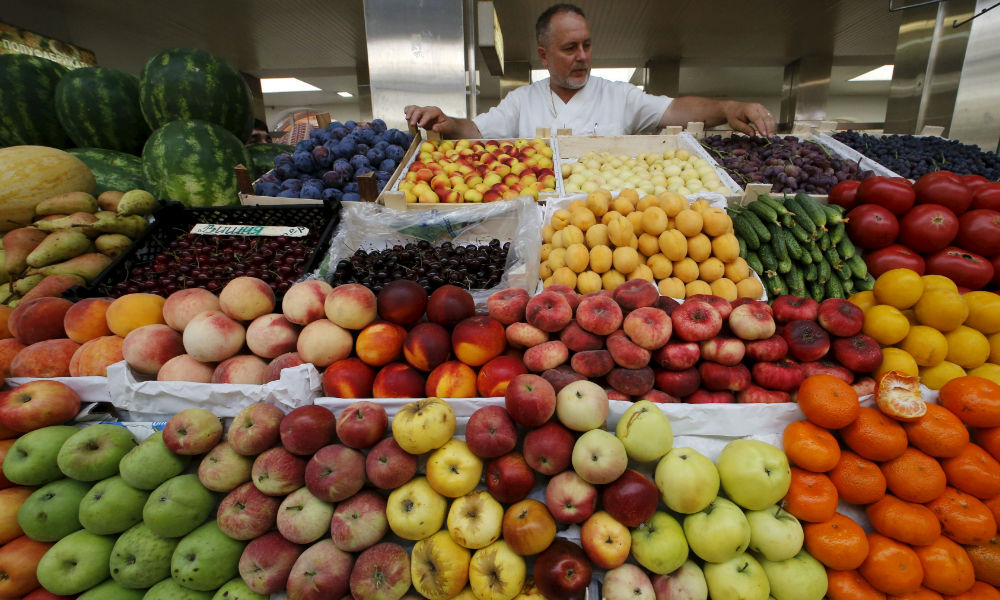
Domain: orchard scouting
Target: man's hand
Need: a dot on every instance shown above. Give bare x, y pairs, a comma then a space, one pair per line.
428, 117
750, 118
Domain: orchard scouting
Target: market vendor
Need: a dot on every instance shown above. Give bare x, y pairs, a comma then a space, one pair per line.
570, 98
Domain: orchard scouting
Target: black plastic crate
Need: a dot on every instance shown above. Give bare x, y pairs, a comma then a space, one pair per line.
173, 221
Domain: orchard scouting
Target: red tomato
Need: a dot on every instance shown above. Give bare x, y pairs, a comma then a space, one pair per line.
871, 226
979, 232
896, 256
973, 182
987, 196
964, 268
893, 193
944, 188
927, 228
845, 194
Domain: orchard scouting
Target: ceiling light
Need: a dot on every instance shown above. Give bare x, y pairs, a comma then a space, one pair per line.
345, 94
277, 85
883, 73
612, 74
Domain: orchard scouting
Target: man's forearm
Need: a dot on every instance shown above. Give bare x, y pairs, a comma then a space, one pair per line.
688, 109
460, 128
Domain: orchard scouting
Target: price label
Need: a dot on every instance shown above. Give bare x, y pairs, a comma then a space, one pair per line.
249, 230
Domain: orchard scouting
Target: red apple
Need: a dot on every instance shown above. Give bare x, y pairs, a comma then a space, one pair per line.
570, 498
528, 527
38, 404
490, 432
563, 571
307, 429
388, 466
509, 478
335, 473
631, 499
530, 400
255, 429
362, 424
549, 449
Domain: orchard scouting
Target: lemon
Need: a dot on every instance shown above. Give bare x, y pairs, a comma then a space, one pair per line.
863, 300
938, 282
887, 324
894, 359
967, 347
941, 309
926, 345
898, 287
987, 371
984, 311
935, 377
994, 348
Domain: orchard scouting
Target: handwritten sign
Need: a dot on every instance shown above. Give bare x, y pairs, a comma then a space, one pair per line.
14, 40
249, 230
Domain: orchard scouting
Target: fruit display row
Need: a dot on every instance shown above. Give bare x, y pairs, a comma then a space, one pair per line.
456, 171
914, 156
652, 173
800, 247
941, 225
686, 249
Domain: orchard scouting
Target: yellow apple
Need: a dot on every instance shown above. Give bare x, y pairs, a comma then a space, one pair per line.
475, 519
453, 470
414, 510
423, 425
439, 568
496, 572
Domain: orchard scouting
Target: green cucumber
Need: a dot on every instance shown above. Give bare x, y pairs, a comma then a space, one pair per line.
810, 272
754, 262
758, 226
825, 271
817, 291
817, 255
848, 285
813, 210
773, 203
864, 285
745, 231
794, 249
833, 257
796, 281
838, 232
778, 242
823, 242
858, 267
767, 258
834, 214
775, 284
764, 211
800, 234
833, 288
743, 246
846, 248
799, 213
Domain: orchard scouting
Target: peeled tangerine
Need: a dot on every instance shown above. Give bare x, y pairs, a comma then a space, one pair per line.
941, 309
935, 377
967, 347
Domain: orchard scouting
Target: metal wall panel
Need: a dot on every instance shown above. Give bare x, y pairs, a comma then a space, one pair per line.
913, 52
946, 68
976, 117
805, 89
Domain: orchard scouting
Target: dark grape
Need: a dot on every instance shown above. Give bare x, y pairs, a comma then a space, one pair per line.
912, 156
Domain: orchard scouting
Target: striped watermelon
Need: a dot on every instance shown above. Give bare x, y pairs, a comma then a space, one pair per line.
99, 108
113, 170
191, 84
192, 162
27, 102
262, 156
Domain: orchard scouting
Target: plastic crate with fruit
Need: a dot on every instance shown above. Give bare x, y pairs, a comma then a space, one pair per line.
168, 257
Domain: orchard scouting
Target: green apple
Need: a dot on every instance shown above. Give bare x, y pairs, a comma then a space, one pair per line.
687, 480
178, 506
141, 558
151, 463
168, 589
110, 590
801, 577
31, 460
645, 431
206, 558
50, 513
775, 533
739, 578
75, 563
111, 506
717, 532
94, 452
237, 589
659, 545
754, 474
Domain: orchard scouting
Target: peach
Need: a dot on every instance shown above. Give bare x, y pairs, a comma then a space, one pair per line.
658, 397
181, 306
348, 378
450, 304
636, 293
380, 343
398, 380
561, 376
627, 353
566, 292
94, 356
546, 356
631, 382
599, 315
549, 311
522, 335
495, 376
242, 368
648, 327
402, 302
614, 394
451, 379
303, 303
86, 320
9, 348
147, 348
132, 311
211, 336
351, 306
271, 335
578, 339
507, 306
186, 368
48, 358
426, 346
279, 363
39, 319
4, 316
476, 340
592, 363
246, 298
323, 343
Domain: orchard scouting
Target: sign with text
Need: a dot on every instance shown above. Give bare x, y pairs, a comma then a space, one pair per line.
22, 41
250, 230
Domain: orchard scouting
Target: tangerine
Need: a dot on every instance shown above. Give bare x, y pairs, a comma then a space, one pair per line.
828, 401
858, 480
974, 400
938, 433
891, 567
973, 471
915, 477
811, 496
947, 568
906, 522
838, 543
964, 518
850, 585
810, 447
874, 436
986, 561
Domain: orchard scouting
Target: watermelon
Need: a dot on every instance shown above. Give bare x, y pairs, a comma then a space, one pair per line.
27, 102
192, 162
113, 170
262, 156
191, 84
99, 108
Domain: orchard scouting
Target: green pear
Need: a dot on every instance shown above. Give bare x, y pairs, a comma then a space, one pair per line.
50, 512
111, 506
141, 558
130, 225
111, 590
206, 558
67, 203
59, 246
237, 589
75, 563
32, 459
93, 453
151, 463
178, 506
88, 265
18, 244
168, 589
136, 202
78, 221
108, 200
27, 283
112, 244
